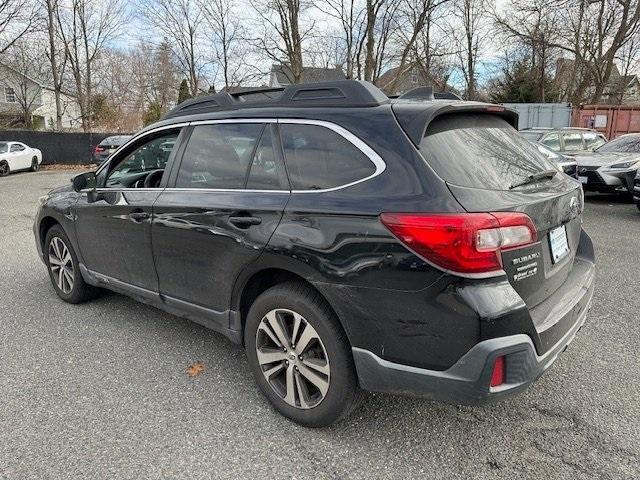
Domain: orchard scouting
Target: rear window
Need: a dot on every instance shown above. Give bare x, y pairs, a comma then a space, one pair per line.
480, 151
531, 136
626, 144
572, 142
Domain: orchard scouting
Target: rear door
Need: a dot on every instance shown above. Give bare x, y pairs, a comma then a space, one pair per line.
223, 203
484, 161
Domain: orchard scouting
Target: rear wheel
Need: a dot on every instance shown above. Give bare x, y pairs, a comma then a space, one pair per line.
64, 270
34, 164
300, 357
4, 168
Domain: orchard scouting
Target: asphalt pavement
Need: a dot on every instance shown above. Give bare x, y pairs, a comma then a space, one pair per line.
100, 390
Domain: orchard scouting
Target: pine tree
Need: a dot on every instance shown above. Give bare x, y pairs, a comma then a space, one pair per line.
183, 92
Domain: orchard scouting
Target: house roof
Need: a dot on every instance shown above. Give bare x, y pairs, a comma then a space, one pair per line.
36, 81
284, 75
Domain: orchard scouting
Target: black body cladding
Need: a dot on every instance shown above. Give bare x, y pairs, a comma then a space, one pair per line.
189, 251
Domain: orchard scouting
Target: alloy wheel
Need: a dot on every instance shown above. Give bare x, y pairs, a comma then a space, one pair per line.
293, 358
4, 169
61, 264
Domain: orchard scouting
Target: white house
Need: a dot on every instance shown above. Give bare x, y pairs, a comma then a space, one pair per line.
21, 95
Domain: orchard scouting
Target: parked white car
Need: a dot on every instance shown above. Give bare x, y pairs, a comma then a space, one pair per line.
15, 156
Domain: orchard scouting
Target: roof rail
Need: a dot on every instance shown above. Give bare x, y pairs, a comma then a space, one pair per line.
342, 93
427, 94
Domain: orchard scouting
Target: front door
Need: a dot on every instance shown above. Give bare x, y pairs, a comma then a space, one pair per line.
113, 223
19, 156
218, 213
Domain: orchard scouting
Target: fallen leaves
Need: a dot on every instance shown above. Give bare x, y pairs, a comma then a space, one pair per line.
195, 369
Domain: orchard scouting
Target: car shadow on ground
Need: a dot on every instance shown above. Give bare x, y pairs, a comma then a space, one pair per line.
609, 198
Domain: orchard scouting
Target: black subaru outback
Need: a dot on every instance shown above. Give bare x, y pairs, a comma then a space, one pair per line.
347, 240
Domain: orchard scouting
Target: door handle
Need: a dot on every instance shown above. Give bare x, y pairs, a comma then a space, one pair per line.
138, 217
245, 222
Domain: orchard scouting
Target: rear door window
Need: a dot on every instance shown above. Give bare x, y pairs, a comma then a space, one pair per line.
572, 142
218, 156
480, 151
266, 171
318, 158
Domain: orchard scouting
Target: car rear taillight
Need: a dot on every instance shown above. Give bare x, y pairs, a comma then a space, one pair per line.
499, 374
467, 243
99, 149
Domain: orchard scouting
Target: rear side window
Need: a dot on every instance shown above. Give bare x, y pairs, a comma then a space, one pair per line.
218, 156
593, 140
480, 151
318, 158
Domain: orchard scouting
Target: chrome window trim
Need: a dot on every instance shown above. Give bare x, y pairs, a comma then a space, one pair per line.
135, 138
343, 132
378, 162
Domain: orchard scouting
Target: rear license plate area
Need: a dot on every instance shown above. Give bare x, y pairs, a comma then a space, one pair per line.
558, 243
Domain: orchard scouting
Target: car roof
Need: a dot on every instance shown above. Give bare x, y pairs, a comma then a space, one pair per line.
414, 109
559, 129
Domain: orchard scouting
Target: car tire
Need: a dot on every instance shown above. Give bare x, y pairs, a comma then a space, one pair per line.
4, 168
313, 397
64, 269
34, 164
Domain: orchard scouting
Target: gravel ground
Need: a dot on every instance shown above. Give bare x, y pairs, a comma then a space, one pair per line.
100, 390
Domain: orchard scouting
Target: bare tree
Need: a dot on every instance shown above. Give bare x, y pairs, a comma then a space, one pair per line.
350, 16
379, 26
55, 55
417, 15
471, 33
182, 23
85, 28
282, 32
227, 34
17, 19
536, 27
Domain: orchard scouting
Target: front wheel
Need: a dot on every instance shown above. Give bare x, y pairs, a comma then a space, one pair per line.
300, 356
34, 164
63, 267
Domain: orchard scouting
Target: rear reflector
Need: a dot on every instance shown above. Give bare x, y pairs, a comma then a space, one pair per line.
467, 243
498, 377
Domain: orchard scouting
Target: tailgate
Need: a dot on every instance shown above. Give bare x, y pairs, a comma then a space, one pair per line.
533, 271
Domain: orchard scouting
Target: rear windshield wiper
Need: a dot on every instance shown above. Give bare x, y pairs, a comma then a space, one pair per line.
534, 177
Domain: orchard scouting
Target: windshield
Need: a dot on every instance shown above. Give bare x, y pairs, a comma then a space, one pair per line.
480, 151
625, 144
4, 147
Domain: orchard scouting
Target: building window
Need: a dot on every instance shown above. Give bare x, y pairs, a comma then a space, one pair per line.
9, 95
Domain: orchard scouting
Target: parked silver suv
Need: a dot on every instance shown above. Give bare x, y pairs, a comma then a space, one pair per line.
568, 141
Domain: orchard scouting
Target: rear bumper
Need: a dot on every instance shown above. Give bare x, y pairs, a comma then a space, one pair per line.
467, 381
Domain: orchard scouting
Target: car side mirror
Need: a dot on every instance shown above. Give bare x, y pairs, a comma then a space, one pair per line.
84, 181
